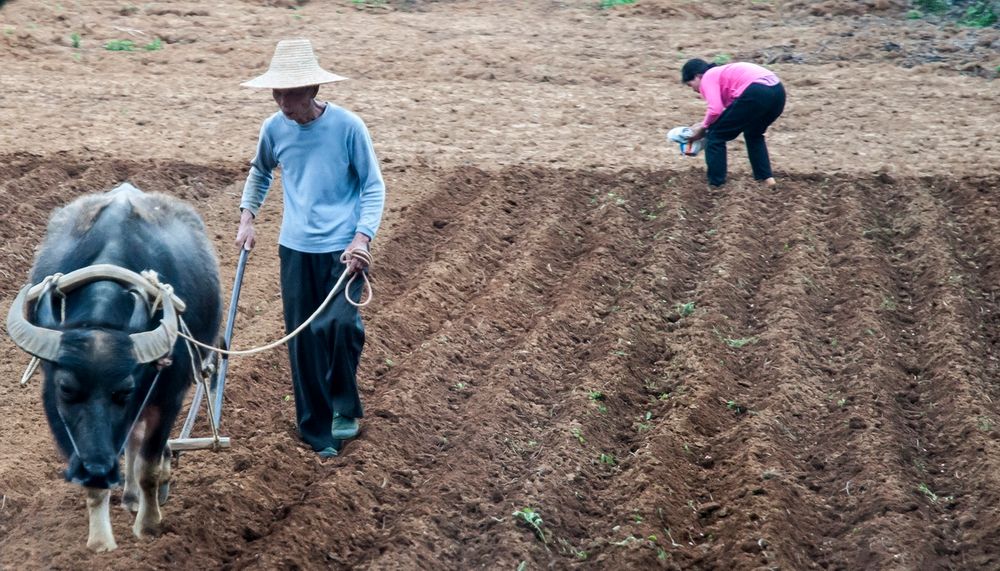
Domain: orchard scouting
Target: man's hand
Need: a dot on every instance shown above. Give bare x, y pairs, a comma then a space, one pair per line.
360, 241
697, 132
246, 236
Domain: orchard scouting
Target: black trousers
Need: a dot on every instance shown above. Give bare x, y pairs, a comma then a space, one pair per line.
325, 355
751, 114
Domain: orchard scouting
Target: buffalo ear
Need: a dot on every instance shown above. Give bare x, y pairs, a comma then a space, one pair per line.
44, 313
140, 313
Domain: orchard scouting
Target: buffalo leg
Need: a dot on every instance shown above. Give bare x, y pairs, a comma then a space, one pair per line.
163, 492
147, 520
130, 495
148, 468
101, 537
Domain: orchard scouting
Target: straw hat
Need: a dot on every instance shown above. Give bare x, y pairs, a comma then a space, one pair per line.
294, 65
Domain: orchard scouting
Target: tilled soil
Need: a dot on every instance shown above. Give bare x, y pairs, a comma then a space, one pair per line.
566, 319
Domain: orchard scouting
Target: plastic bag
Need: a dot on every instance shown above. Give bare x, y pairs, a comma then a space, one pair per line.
682, 136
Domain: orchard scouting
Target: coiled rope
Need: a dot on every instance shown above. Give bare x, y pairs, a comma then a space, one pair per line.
345, 258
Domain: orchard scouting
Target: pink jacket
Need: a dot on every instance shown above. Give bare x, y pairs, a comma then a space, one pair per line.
721, 85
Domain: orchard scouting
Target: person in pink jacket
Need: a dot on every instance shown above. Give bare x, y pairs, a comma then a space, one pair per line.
740, 98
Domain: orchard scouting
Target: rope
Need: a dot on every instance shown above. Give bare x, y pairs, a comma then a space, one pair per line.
184, 332
138, 414
360, 254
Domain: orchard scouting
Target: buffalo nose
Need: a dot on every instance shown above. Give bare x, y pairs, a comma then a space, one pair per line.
94, 474
98, 468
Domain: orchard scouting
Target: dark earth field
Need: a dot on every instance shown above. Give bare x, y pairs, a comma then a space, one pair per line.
565, 319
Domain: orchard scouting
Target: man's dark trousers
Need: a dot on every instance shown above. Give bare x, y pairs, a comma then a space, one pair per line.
751, 114
325, 355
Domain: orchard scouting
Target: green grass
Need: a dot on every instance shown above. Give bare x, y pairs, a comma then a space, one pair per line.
979, 15
932, 6
607, 4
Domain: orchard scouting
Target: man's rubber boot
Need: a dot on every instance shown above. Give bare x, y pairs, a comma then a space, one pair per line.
344, 428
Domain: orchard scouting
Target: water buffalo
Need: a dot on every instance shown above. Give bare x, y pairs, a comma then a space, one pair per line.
105, 330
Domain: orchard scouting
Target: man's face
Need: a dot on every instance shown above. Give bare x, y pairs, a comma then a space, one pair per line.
296, 103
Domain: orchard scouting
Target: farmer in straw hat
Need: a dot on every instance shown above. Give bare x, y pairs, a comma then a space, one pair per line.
740, 98
333, 199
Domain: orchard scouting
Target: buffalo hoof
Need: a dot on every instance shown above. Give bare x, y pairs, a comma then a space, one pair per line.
102, 545
130, 502
163, 493
145, 531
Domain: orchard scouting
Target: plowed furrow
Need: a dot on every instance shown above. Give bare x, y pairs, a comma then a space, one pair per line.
433, 373
527, 348
761, 298
883, 451
952, 402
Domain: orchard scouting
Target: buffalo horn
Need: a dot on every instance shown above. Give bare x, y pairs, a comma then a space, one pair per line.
151, 345
38, 341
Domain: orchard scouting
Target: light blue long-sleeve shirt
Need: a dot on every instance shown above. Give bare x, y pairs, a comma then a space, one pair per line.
332, 184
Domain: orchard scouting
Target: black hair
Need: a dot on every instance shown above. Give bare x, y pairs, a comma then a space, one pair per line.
694, 67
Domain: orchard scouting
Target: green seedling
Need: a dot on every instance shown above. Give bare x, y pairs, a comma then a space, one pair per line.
736, 407
740, 343
120, 46
74, 39
685, 309
595, 395
578, 434
722, 59
608, 459
925, 490
154, 45
533, 519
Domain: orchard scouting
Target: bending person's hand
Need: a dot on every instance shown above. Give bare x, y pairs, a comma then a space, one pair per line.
697, 132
